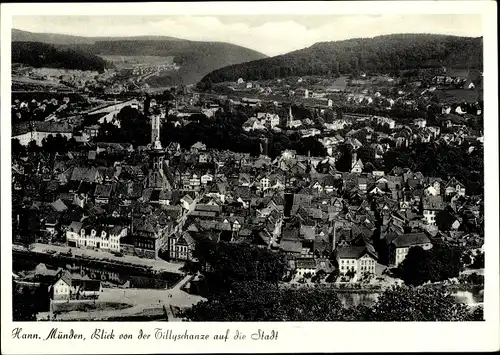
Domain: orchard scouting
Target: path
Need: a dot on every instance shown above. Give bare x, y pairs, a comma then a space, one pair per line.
156, 264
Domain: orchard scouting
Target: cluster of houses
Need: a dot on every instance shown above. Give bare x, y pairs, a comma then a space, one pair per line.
155, 202
284, 204
64, 285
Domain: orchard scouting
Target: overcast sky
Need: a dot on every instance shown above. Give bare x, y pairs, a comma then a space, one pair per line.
269, 34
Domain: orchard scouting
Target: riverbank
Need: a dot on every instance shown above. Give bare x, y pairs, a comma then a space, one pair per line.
144, 304
156, 265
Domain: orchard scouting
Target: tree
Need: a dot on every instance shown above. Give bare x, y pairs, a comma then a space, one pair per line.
419, 304
444, 220
17, 148
437, 264
478, 261
344, 163
259, 301
311, 146
366, 154
226, 264
33, 147
23, 308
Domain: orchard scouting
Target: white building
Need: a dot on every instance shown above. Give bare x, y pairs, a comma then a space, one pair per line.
96, 238
268, 119
385, 121
420, 122
357, 260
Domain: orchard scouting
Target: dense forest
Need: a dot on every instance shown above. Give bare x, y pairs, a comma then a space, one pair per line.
61, 39
386, 54
196, 58
39, 55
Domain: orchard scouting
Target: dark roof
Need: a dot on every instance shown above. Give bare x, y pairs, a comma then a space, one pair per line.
20, 128
410, 239
84, 174
103, 190
305, 264
352, 252
207, 208
433, 203
291, 246
53, 127
90, 285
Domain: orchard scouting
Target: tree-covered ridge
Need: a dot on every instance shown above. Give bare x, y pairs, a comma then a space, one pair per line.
39, 55
390, 53
196, 59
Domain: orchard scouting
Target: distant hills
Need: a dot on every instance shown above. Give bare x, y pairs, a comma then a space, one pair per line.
61, 39
38, 55
195, 58
382, 54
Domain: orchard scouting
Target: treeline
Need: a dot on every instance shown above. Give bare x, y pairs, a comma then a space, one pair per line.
242, 283
390, 53
223, 133
40, 55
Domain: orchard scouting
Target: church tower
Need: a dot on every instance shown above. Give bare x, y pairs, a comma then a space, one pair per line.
158, 173
290, 117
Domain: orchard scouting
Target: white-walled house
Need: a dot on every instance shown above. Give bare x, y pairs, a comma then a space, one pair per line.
356, 259
92, 237
305, 266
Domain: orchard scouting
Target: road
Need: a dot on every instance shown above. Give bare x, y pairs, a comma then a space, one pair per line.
182, 219
156, 264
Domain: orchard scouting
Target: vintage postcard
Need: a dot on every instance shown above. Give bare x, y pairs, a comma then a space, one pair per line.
249, 177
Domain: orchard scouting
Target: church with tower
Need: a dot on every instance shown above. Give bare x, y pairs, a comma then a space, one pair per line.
159, 175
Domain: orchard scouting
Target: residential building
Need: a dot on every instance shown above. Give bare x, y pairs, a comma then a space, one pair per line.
356, 259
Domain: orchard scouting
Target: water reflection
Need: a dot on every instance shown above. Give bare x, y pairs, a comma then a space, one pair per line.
354, 299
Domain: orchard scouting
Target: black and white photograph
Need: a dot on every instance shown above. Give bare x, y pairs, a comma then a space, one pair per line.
280, 167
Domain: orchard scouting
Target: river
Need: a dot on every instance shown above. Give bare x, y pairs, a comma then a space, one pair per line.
116, 274
353, 299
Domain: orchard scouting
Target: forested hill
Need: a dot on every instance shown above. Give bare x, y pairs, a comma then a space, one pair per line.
389, 53
196, 58
39, 55
62, 39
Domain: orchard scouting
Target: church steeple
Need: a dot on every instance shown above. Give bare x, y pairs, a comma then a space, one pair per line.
157, 177
155, 132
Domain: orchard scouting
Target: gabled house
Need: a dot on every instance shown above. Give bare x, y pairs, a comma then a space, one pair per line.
357, 260
431, 205
180, 247
357, 166
454, 187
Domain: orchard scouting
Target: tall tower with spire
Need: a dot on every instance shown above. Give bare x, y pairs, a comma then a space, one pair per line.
158, 175
290, 117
